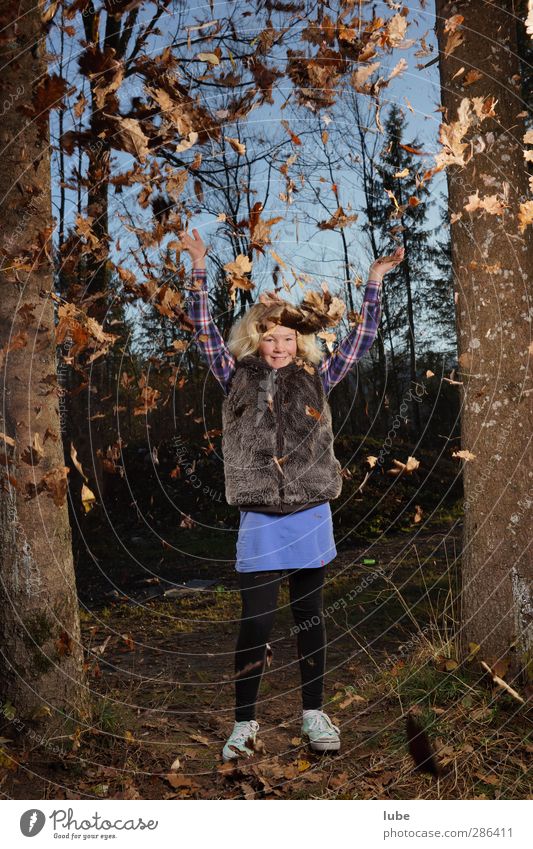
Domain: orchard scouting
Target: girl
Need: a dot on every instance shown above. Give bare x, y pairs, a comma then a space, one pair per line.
280, 470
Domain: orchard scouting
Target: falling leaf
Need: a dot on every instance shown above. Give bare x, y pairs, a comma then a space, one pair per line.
371, 460
430, 373
398, 69
88, 498
198, 190
7, 439
237, 270
491, 204
64, 644
34, 453
525, 215
211, 58
237, 146
418, 514
310, 411
472, 77
294, 138
360, 77
329, 338
187, 142
464, 454
404, 468
338, 219
74, 458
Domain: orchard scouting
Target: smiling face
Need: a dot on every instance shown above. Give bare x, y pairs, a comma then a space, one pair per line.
278, 346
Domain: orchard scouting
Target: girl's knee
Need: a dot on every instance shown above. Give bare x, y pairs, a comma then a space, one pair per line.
258, 627
308, 615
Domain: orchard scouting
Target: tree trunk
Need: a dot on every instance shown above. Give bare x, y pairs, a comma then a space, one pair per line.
41, 657
492, 265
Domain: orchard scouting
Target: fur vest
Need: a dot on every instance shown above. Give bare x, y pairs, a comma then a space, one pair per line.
277, 439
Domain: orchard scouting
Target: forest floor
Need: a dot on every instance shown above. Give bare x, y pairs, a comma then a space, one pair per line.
161, 676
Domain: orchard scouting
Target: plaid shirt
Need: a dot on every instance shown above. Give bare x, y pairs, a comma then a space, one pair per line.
332, 368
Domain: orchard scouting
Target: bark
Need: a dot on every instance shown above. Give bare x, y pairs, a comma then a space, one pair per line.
493, 314
41, 657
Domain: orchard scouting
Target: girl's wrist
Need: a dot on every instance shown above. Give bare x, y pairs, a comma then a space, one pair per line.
199, 264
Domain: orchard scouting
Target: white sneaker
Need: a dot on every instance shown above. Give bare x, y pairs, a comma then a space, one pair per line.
323, 736
241, 742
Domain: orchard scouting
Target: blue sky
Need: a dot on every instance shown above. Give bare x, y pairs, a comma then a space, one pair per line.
308, 251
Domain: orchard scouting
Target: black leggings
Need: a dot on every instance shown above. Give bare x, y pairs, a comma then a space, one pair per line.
259, 594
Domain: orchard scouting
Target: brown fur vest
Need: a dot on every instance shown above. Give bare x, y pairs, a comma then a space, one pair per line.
264, 417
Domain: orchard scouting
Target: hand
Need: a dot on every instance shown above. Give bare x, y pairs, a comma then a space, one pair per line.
194, 246
384, 264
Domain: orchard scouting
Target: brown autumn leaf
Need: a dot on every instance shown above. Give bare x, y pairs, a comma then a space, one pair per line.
48, 94
34, 453
490, 203
464, 454
315, 312
210, 58
339, 219
149, 398
74, 458
198, 190
404, 468
359, 77
127, 135
525, 215
260, 229
187, 522
54, 483
237, 146
237, 270
329, 338
129, 642
64, 644
186, 143
294, 138
88, 498
315, 414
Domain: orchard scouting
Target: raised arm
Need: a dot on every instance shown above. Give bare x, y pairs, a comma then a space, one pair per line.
357, 342
218, 356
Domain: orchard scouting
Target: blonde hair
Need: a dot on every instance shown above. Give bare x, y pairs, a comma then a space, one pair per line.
246, 334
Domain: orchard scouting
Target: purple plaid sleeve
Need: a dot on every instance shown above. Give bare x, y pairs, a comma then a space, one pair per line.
357, 342
219, 358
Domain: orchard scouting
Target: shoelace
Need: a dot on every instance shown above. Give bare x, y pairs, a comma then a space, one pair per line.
319, 720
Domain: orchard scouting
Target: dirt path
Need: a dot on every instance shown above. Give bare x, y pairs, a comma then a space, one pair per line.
161, 674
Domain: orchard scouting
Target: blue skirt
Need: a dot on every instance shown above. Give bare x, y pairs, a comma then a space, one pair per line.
302, 540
